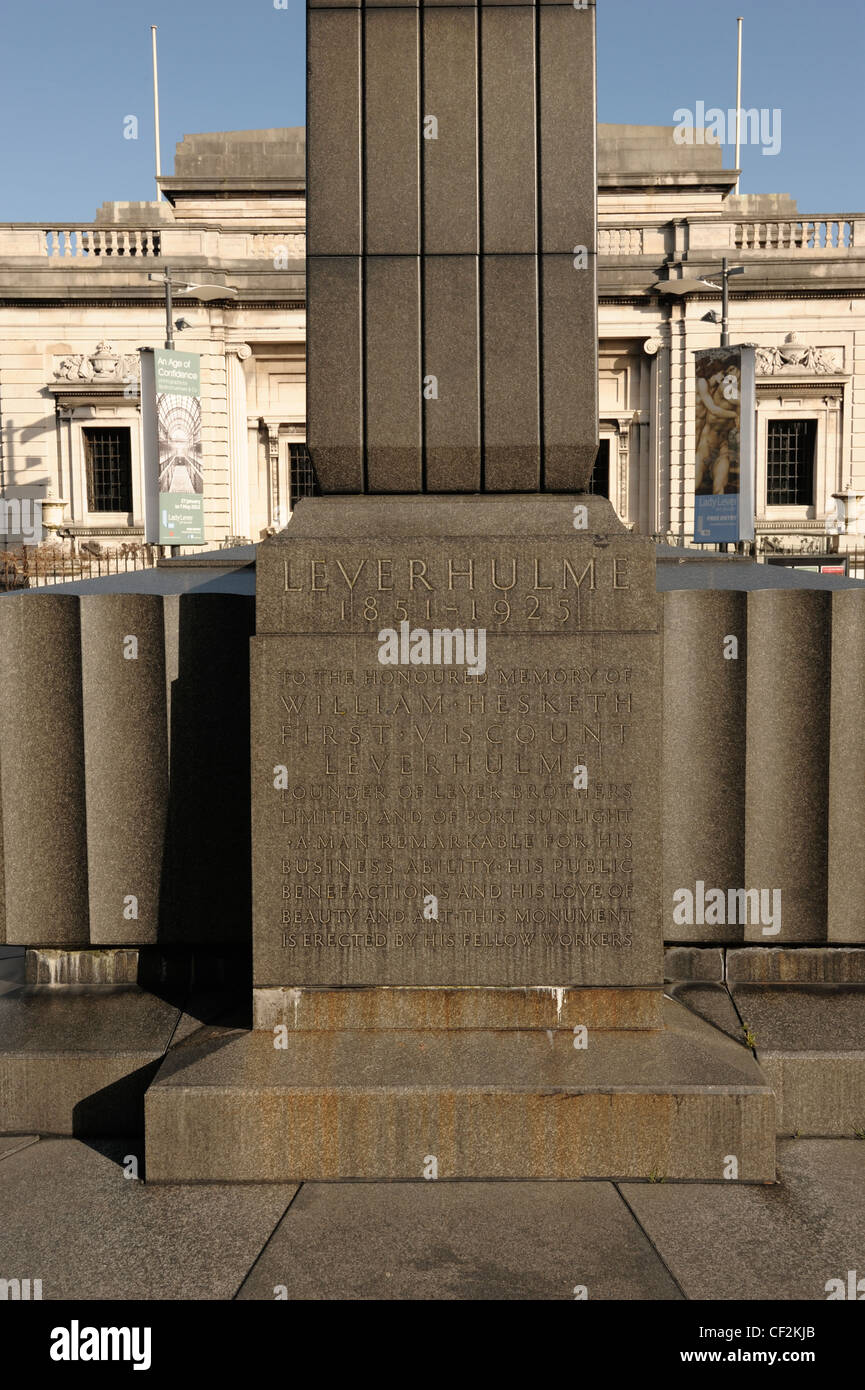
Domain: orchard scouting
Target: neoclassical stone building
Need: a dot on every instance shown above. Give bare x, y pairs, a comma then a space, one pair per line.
76, 304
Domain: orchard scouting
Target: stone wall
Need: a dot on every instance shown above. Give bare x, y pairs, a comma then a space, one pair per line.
124, 767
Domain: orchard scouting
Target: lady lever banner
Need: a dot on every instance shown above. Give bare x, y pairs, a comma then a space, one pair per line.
725, 444
171, 417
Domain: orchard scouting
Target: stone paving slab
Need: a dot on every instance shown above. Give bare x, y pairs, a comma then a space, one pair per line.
783, 1241
467, 1241
11, 1143
71, 1219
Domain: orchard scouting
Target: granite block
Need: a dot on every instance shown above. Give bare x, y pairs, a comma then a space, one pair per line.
508, 66
333, 201
810, 1042
452, 417
394, 438
107, 967
567, 119
846, 847
466, 1241
451, 204
334, 387
710, 1002
787, 759
537, 881
775, 965
568, 357
694, 963
42, 756
126, 745
511, 374
392, 118
380, 1007
703, 797
76, 1060
486, 1105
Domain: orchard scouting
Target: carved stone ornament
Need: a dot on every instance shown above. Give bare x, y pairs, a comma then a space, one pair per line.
102, 365
796, 356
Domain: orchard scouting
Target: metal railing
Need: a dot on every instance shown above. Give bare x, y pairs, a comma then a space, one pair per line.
34, 568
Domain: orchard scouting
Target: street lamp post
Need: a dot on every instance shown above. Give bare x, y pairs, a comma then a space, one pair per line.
726, 272
199, 290
204, 292
683, 287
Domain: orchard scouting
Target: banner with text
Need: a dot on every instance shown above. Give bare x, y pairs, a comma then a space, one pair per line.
171, 414
725, 444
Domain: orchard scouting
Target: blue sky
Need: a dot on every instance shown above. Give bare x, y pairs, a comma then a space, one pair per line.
72, 72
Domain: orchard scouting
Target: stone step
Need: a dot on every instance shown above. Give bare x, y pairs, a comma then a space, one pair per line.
77, 1060
448, 1007
810, 1041
676, 1103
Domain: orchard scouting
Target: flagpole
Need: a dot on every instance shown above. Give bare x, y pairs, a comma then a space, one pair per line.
739, 23
156, 112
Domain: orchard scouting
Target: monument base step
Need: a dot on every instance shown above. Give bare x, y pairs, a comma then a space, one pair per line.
436, 1007
810, 1040
682, 1102
77, 1059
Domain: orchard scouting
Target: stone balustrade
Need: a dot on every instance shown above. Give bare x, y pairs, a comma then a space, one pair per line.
835, 235
805, 234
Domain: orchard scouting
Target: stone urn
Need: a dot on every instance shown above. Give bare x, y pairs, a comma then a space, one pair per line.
52, 514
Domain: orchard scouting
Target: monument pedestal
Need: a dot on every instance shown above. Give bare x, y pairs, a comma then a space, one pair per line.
456, 860
461, 1102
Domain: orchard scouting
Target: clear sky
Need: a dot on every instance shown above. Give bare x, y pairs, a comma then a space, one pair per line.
74, 70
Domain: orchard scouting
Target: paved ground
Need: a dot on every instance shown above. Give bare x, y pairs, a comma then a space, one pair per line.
71, 1215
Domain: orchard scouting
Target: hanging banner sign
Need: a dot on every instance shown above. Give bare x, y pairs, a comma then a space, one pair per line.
725, 444
171, 418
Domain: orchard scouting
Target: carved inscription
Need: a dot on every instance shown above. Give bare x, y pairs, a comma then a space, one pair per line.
515, 587
413, 823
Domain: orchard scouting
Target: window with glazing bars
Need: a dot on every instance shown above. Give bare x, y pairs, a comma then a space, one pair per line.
599, 483
108, 458
790, 463
302, 481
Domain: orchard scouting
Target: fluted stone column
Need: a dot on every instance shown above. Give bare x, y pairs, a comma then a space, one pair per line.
703, 786
846, 871
786, 799
126, 742
42, 757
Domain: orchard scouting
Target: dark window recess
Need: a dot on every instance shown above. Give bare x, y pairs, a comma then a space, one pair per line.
599, 483
108, 456
790, 463
302, 479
